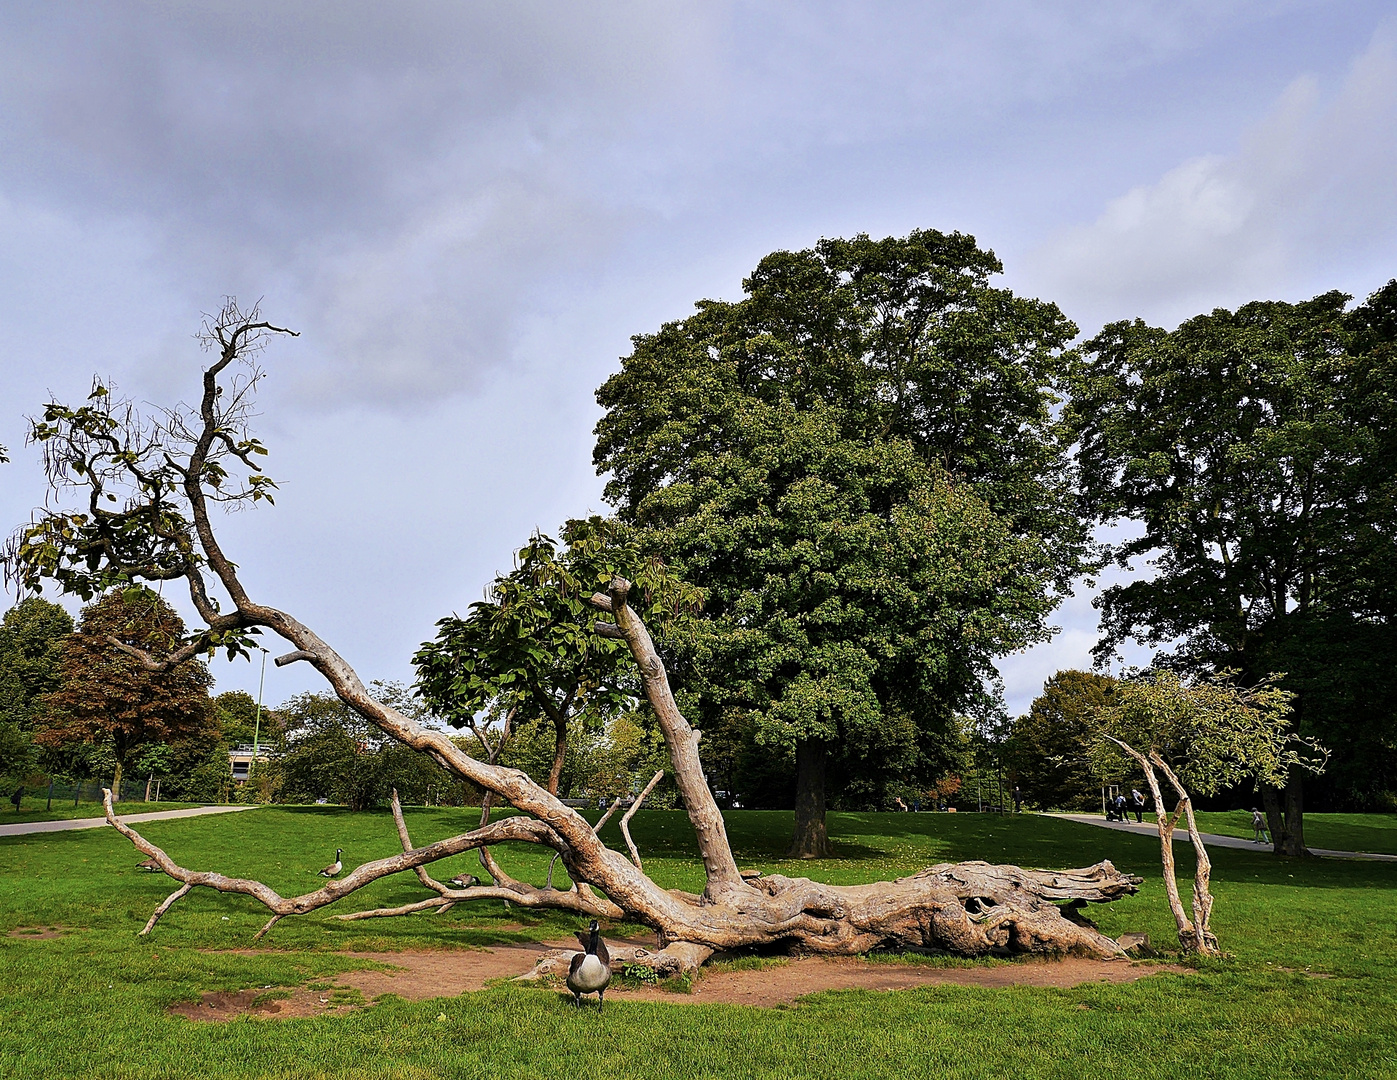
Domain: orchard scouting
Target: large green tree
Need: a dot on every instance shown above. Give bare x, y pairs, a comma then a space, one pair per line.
1257, 452
106, 696
31, 642
860, 465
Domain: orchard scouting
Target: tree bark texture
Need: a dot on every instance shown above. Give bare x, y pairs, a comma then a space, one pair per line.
811, 838
1195, 935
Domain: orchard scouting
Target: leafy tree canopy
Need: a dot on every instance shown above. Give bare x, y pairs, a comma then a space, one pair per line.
32, 636
1256, 450
531, 648
1213, 733
859, 463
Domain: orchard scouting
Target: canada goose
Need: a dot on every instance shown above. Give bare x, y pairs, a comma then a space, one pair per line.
590, 971
149, 864
335, 867
465, 881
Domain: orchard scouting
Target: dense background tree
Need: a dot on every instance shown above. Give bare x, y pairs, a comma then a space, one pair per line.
325, 750
859, 462
1257, 450
31, 642
32, 635
1050, 747
107, 697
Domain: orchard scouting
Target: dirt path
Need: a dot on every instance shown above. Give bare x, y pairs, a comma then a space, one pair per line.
423, 974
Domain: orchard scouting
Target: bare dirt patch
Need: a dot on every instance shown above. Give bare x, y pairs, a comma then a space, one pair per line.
417, 975
785, 984
38, 933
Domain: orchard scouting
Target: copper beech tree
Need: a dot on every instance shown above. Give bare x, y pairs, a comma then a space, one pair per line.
148, 486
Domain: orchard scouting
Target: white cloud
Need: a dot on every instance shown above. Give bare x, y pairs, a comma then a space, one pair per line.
1308, 193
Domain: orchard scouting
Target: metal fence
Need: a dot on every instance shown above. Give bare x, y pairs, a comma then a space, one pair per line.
85, 791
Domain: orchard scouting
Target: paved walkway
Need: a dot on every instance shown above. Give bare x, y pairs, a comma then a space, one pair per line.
1149, 828
20, 828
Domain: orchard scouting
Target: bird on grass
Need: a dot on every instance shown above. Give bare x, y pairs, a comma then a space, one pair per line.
465, 881
149, 864
335, 867
590, 971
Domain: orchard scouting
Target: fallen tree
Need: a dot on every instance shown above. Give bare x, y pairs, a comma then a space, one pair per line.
150, 485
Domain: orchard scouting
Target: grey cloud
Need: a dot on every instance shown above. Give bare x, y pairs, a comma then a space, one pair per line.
1309, 188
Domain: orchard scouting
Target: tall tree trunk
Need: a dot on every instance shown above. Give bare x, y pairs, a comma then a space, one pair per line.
811, 840
116, 781
560, 751
1295, 814
1285, 815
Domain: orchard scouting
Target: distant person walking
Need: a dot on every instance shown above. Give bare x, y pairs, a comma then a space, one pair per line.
17, 797
1018, 799
1258, 827
1139, 801
1121, 813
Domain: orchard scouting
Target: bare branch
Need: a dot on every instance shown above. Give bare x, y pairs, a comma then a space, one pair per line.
164, 907
292, 657
607, 816
512, 828
626, 818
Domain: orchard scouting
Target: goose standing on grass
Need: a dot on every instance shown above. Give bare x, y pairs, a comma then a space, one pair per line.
465, 881
590, 971
149, 864
335, 867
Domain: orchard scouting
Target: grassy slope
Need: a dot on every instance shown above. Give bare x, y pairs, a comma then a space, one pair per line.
90, 1002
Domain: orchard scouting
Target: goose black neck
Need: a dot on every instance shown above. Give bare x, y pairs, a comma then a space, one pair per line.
592, 941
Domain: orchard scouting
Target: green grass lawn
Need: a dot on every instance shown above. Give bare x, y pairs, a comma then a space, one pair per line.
91, 1002
1340, 832
32, 809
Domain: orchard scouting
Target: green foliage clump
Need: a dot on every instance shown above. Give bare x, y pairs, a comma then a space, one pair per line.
1050, 748
327, 751
1211, 732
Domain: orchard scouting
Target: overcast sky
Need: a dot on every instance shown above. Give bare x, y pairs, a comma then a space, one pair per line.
466, 209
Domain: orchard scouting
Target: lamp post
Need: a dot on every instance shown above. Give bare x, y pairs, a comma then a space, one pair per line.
257, 723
